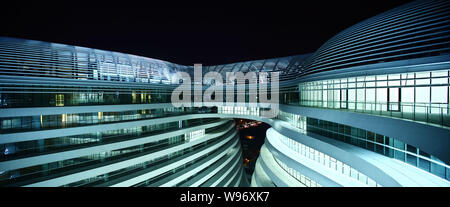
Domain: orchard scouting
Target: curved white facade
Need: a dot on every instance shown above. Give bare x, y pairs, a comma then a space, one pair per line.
201, 153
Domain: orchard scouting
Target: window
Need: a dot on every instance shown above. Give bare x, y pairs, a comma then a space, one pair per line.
407, 97
344, 99
370, 99
381, 99
438, 94
423, 94
360, 98
394, 95
60, 100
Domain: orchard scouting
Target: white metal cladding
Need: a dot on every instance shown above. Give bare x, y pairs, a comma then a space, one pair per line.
414, 30
43, 59
70, 154
109, 168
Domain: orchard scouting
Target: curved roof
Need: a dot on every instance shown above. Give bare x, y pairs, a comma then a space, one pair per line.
288, 67
36, 58
414, 30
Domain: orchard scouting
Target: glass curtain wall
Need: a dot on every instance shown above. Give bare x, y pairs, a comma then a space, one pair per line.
421, 96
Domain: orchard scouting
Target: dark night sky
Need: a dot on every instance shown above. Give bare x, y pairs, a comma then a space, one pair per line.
185, 33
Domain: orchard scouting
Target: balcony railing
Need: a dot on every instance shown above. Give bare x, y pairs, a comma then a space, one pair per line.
432, 113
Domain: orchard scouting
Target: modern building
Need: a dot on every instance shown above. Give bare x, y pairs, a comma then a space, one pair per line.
370, 107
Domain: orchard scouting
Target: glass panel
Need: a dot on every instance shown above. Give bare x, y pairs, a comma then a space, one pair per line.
370, 95
411, 159
423, 94
394, 99
351, 98
382, 99
439, 94
360, 98
424, 164
344, 98
407, 97
423, 75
